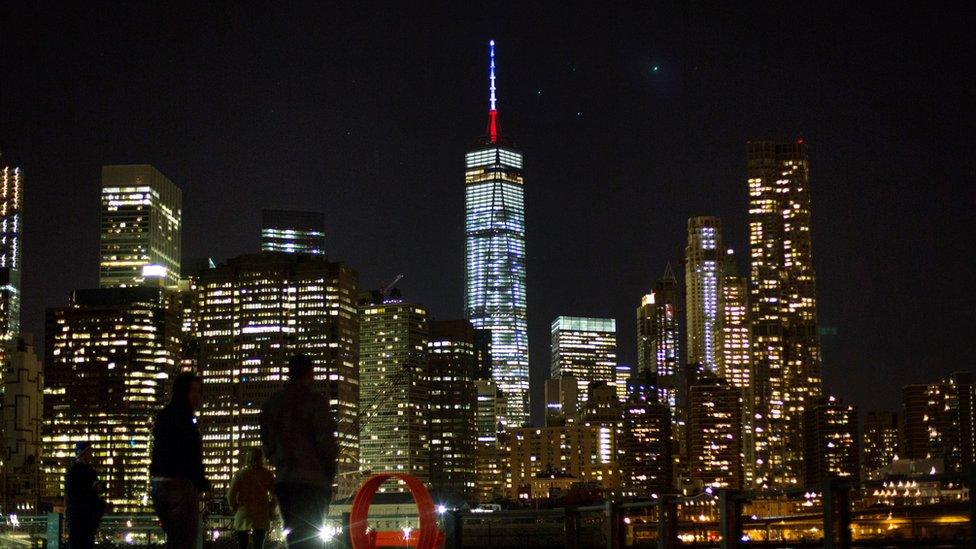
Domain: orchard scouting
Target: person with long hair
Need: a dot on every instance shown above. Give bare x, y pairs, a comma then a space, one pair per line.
251, 500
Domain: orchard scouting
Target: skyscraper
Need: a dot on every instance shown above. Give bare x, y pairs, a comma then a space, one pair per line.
562, 400
645, 458
585, 348
495, 256
293, 232
782, 305
703, 291
253, 313
938, 421
735, 358
658, 336
11, 225
107, 357
453, 407
715, 433
395, 391
140, 227
880, 442
830, 441
490, 457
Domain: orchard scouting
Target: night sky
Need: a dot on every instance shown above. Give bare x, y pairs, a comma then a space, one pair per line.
364, 113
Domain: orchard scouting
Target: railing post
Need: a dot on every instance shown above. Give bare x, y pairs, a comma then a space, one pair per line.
572, 537
730, 518
667, 522
843, 495
54, 525
828, 514
345, 536
452, 529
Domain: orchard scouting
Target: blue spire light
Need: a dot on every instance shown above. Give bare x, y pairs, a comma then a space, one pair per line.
491, 76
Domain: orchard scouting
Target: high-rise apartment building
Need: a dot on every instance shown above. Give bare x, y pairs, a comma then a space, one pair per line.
585, 348
658, 336
782, 305
140, 227
11, 226
573, 453
107, 357
254, 312
495, 257
880, 442
453, 408
715, 433
703, 291
830, 441
21, 412
938, 421
395, 392
293, 232
645, 457
735, 358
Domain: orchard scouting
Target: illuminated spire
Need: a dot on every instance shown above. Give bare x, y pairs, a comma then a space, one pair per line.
492, 100
491, 75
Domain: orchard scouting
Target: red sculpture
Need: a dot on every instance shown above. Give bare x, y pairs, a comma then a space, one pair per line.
429, 535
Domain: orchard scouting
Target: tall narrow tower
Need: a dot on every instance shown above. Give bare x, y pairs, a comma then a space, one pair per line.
495, 256
703, 290
782, 306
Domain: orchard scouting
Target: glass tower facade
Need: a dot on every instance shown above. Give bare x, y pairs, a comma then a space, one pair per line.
495, 260
140, 227
293, 232
585, 348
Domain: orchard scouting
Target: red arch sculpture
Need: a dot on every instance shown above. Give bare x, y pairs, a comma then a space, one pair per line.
430, 537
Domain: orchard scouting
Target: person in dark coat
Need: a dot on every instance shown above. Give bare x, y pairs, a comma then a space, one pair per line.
177, 463
83, 503
298, 434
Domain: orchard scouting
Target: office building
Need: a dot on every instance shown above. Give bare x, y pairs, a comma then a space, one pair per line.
21, 412
562, 400
107, 357
140, 228
830, 442
585, 348
703, 291
453, 409
735, 358
11, 226
393, 338
622, 373
495, 257
782, 305
714, 433
880, 442
255, 312
938, 421
293, 232
658, 336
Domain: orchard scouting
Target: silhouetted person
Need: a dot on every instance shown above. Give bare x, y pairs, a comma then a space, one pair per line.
177, 464
251, 500
84, 506
298, 434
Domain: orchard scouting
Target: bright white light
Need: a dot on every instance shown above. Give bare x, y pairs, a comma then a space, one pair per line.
153, 271
129, 538
406, 532
328, 533
441, 509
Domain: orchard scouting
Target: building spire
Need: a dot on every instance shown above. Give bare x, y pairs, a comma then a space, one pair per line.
492, 100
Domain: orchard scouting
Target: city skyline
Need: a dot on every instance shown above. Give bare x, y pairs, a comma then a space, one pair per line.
563, 280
